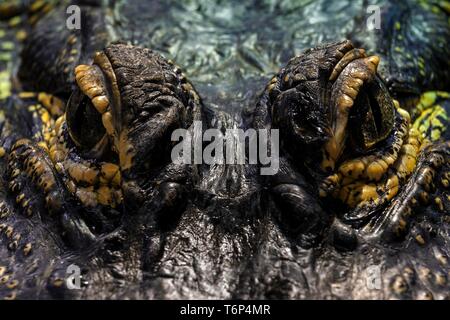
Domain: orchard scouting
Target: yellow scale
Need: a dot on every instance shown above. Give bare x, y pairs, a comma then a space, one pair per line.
13, 25
6, 49
432, 118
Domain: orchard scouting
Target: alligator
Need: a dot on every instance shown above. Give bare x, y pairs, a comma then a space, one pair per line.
358, 207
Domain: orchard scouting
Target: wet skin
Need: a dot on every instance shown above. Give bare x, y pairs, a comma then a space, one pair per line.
363, 177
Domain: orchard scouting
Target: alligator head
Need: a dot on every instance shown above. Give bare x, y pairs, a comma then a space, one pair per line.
346, 136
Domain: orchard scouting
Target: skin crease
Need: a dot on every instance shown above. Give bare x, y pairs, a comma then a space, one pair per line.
89, 180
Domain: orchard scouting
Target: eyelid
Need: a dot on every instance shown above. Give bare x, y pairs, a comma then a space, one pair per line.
91, 82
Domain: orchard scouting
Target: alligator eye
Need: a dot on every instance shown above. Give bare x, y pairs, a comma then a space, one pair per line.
84, 122
372, 118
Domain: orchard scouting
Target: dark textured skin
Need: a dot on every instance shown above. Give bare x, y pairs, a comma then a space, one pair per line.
222, 231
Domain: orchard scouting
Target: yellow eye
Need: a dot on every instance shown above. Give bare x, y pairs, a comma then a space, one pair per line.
372, 117
84, 122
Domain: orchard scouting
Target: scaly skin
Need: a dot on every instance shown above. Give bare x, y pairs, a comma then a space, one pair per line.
88, 180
